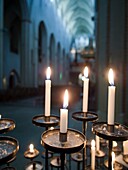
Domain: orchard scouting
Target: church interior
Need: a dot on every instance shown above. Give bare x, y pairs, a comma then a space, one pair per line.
63, 84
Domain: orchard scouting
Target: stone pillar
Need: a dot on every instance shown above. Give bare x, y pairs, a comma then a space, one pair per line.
125, 71
101, 59
110, 53
116, 56
25, 54
35, 56
1, 42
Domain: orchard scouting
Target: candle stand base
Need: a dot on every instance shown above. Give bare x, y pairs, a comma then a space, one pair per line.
77, 157
110, 128
47, 122
99, 158
47, 118
85, 117
116, 132
55, 162
100, 154
29, 155
75, 142
34, 165
63, 137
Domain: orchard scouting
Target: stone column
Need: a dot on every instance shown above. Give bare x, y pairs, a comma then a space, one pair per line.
101, 59
1, 42
25, 54
125, 68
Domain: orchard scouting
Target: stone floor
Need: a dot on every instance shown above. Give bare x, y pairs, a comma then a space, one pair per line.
22, 112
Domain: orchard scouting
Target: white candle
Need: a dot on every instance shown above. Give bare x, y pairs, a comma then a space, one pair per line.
113, 160
114, 143
48, 92
64, 114
125, 147
111, 98
97, 143
85, 90
93, 154
0, 116
31, 148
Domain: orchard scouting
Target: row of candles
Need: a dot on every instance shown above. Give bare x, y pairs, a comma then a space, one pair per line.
64, 110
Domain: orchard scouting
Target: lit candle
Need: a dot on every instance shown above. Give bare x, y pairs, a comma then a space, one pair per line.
114, 143
47, 92
85, 90
93, 154
125, 147
31, 148
113, 160
97, 143
64, 114
0, 116
111, 98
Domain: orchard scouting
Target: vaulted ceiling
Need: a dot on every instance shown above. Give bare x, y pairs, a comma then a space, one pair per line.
77, 15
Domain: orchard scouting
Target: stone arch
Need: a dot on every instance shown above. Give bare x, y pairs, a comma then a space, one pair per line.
42, 51
64, 61
14, 79
42, 41
52, 57
16, 15
52, 49
58, 60
12, 25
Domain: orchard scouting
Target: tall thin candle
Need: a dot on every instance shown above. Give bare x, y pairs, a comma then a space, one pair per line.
113, 160
64, 114
48, 92
111, 98
125, 147
93, 154
85, 90
97, 143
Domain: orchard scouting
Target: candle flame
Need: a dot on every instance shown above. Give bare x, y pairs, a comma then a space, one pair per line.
111, 76
86, 71
93, 143
65, 104
48, 73
31, 147
114, 144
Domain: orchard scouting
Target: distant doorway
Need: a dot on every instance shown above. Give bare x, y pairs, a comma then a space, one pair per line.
14, 79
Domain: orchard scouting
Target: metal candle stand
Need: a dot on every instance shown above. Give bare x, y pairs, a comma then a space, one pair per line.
117, 132
84, 117
33, 164
6, 125
51, 141
43, 121
9, 146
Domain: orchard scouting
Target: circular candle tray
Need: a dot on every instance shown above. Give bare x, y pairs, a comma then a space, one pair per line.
85, 116
119, 132
75, 141
8, 148
6, 125
43, 121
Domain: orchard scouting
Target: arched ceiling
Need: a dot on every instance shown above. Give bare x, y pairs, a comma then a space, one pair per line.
77, 15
